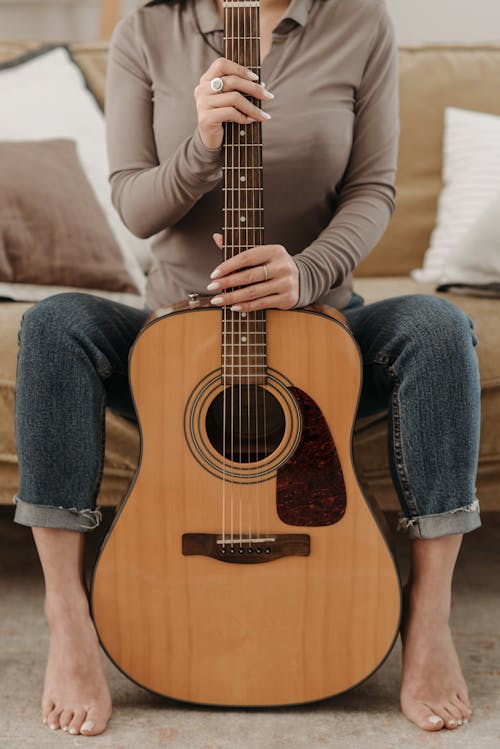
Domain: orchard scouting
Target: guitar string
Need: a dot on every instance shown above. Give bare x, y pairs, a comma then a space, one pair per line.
224, 351
251, 130
236, 127
261, 315
246, 133
233, 230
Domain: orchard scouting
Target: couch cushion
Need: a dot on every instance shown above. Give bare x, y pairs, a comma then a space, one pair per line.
431, 79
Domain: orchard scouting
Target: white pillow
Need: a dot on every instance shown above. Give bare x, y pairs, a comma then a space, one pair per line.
476, 259
47, 97
471, 176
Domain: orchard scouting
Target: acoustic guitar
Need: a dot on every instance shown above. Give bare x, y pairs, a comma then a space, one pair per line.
245, 566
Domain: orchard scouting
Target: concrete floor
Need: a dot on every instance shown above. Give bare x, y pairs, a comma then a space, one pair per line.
367, 716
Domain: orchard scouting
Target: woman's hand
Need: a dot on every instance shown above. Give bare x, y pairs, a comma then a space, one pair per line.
228, 105
271, 279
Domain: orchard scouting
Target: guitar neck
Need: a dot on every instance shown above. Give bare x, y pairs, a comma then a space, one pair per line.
243, 184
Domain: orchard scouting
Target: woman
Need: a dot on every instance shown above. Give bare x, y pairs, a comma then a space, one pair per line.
330, 150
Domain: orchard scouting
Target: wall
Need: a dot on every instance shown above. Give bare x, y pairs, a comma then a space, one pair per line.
49, 20
462, 21
416, 21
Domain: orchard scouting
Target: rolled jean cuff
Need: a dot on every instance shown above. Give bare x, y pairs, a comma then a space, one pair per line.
459, 520
49, 516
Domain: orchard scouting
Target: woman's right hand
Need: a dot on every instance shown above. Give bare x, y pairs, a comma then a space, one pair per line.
228, 105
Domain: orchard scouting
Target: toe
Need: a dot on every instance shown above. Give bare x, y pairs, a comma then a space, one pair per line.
455, 714
464, 708
449, 720
423, 716
95, 722
76, 722
65, 719
47, 707
463, 696
455, 711
53, 718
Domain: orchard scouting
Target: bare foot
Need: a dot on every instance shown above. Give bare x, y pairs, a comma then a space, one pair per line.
76, 697
433, 690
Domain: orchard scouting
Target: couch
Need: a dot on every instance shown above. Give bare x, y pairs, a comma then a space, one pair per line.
432, 78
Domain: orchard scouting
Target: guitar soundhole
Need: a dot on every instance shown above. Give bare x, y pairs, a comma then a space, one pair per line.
254, 423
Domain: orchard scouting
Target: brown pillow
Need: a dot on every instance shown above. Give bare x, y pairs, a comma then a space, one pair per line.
52, 229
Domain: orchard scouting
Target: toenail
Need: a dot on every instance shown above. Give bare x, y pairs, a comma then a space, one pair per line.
87, 726
459, 722
466, 721
452, 722
65, 728
434, 719
73, 730
52, 726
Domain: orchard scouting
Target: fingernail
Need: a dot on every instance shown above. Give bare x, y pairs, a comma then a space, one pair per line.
435, 719
466, 721
262, 83
253, 76
212, 286
52, 726
73, 730
236, 308
216, 300
452, 722
459, 722
268, 95
87, 726
65, 728
215, 273
266, 115
45, 720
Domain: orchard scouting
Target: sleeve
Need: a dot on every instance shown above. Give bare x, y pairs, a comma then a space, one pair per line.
366, 199
147, 195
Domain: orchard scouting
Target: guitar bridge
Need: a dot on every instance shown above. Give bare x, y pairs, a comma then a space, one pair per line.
246, 549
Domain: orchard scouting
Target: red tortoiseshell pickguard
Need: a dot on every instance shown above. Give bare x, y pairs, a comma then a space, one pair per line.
310, 486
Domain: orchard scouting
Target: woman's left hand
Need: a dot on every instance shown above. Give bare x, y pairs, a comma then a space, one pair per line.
270, 278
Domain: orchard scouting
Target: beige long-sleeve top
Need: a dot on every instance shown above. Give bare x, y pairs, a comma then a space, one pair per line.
329, 151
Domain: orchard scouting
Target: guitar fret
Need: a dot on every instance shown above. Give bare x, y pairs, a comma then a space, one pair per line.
241, 167
242, 226
243, 208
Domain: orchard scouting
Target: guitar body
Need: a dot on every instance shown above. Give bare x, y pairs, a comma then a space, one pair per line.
261, 581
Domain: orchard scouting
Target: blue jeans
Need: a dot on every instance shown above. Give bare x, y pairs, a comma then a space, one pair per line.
419, 364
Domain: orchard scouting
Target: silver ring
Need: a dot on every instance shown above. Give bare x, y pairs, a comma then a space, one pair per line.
266, 273
216, 84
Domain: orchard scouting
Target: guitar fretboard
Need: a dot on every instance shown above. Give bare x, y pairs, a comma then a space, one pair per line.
244, 347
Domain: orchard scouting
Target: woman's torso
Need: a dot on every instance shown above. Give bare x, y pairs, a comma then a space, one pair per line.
313, 63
